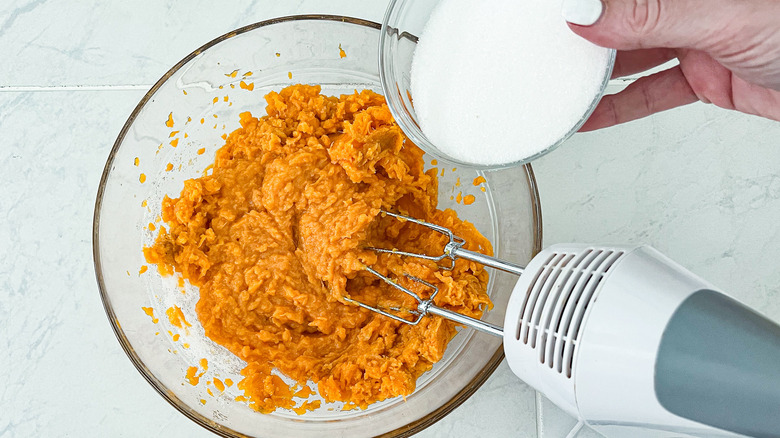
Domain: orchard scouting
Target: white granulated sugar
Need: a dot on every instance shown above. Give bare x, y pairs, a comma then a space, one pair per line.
500, 81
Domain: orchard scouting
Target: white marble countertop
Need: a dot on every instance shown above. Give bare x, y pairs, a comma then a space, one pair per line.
699, 183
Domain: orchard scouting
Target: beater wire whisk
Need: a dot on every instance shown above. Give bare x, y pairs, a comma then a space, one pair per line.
453, 250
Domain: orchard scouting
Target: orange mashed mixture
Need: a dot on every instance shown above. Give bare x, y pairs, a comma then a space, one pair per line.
274, 237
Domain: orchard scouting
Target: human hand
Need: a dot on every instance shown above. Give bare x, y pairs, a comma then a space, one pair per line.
729, 53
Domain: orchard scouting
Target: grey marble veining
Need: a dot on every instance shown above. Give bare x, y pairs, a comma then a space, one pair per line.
496, 408
699, 183
94, 43
63, 371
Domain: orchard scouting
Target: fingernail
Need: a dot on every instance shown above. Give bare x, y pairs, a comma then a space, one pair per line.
582, 12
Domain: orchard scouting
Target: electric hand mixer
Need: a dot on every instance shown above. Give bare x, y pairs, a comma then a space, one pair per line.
627, 340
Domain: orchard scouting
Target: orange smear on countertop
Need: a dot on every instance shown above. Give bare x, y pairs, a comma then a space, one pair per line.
342, 53
219, 385
468, 199
143, 269
169, 122
479, 180
142, 178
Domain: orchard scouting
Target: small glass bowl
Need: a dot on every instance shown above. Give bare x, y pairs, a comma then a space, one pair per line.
403, 22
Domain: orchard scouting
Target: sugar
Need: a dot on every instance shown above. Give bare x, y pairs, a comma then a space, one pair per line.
501, 81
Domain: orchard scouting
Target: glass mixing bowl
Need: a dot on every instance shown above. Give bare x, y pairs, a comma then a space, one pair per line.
192, 107
403, 22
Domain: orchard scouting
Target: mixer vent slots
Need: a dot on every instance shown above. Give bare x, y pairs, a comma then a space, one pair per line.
556, 301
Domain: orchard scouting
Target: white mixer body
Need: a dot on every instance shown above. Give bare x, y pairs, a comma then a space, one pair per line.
584, 327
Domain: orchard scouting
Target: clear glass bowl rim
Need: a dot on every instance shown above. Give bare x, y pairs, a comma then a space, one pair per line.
212, 426
411, 128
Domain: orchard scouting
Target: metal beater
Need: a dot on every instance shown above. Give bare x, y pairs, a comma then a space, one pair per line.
452, 251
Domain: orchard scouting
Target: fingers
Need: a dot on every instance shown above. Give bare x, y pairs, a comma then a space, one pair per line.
757, 100
648, 95
709, 79
728, 53
629, 62
638, 24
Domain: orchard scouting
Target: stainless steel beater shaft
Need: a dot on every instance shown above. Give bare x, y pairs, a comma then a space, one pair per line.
452, 250
425, 307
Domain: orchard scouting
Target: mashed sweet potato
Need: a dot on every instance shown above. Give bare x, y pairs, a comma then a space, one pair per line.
274, 237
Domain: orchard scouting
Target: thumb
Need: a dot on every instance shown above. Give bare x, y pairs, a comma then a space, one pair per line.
639, 24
